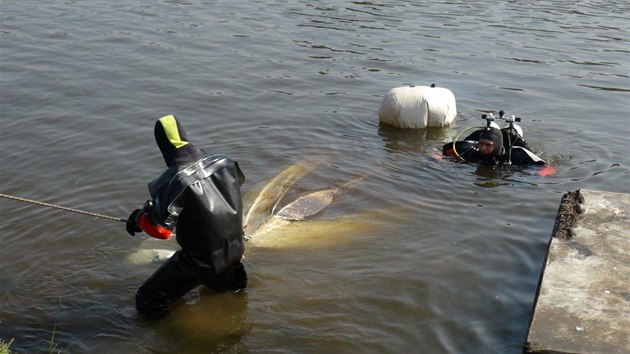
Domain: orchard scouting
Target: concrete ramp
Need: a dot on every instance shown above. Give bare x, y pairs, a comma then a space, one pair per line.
583, 300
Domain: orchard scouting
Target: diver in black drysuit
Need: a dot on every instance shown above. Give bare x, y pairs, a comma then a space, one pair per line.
493, 146
199, 194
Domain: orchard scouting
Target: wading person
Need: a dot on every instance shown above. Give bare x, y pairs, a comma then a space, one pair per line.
199, 196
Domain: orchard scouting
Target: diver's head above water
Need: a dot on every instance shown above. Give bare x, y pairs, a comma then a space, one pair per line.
173, 142
491, 143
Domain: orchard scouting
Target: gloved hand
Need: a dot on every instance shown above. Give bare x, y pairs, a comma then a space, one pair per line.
132, 222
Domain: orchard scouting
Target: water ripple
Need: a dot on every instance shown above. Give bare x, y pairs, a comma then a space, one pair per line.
452, 254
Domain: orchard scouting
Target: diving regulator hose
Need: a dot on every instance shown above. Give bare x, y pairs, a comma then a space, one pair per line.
457, 138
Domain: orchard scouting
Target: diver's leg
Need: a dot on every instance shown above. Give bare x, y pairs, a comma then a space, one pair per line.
171, 281
232, 279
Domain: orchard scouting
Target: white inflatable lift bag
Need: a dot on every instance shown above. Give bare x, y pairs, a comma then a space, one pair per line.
418, 107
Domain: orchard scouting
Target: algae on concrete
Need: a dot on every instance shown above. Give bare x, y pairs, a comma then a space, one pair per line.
583, 300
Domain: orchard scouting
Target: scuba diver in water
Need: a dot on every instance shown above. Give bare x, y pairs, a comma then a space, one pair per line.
199, 194
494, 146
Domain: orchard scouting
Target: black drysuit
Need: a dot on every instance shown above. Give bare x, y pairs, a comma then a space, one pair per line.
198, 195
509, 148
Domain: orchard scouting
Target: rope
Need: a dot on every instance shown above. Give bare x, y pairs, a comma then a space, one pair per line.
61, 207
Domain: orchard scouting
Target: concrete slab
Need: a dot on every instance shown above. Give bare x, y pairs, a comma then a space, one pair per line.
583, 300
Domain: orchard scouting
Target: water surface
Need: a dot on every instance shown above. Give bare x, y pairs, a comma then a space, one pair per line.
441, 257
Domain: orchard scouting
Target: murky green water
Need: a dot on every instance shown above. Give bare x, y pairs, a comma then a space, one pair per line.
423, 256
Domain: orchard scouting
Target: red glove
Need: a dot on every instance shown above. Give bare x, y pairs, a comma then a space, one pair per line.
156, 231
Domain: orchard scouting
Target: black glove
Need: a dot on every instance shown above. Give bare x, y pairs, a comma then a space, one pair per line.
132, 222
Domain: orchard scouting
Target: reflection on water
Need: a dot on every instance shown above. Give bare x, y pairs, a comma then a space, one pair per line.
214, 322
413, 141
425, 254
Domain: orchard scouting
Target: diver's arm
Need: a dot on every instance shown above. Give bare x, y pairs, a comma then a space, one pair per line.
465, 149
140, 221
147, 220
152, 230
522, 156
